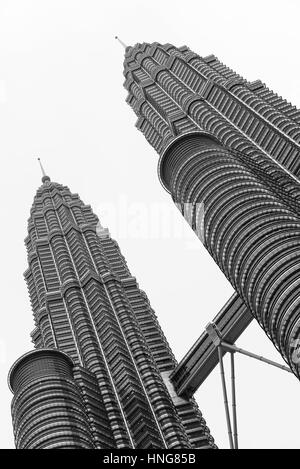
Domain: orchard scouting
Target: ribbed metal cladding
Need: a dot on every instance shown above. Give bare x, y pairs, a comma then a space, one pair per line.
47, 408
252, 235
87, 304
253, 153
173, 91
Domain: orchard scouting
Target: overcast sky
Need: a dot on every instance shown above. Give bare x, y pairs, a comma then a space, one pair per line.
62, 99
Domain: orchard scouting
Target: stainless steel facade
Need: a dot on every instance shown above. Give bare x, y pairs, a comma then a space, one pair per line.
229, 156
47, 408
99, 377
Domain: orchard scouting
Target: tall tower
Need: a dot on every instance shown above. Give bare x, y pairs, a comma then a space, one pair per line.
99, 377
230, 158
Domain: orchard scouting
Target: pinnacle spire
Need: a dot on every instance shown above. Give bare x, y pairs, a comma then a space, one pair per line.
45, 177
121, 42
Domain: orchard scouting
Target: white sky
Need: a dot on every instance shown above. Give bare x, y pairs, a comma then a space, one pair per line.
61, 98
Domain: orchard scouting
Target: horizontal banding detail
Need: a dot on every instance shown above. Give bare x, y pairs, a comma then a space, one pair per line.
171, 154
248, 230
47, 407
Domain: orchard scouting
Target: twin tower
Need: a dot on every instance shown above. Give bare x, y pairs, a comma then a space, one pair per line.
102, 374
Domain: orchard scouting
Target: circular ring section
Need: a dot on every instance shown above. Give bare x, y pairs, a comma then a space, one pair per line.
177, 149
47, 407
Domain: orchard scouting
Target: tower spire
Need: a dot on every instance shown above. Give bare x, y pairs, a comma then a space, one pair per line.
45, 177
121, 42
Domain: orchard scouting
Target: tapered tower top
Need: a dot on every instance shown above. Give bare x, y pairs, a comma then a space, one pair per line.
45, 178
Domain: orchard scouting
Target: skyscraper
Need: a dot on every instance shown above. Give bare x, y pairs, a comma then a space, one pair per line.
99, 377
229, 156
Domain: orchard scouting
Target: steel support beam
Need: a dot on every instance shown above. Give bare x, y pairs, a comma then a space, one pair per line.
202, 358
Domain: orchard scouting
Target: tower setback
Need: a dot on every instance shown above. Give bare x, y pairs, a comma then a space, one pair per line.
230, 158
99, 377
